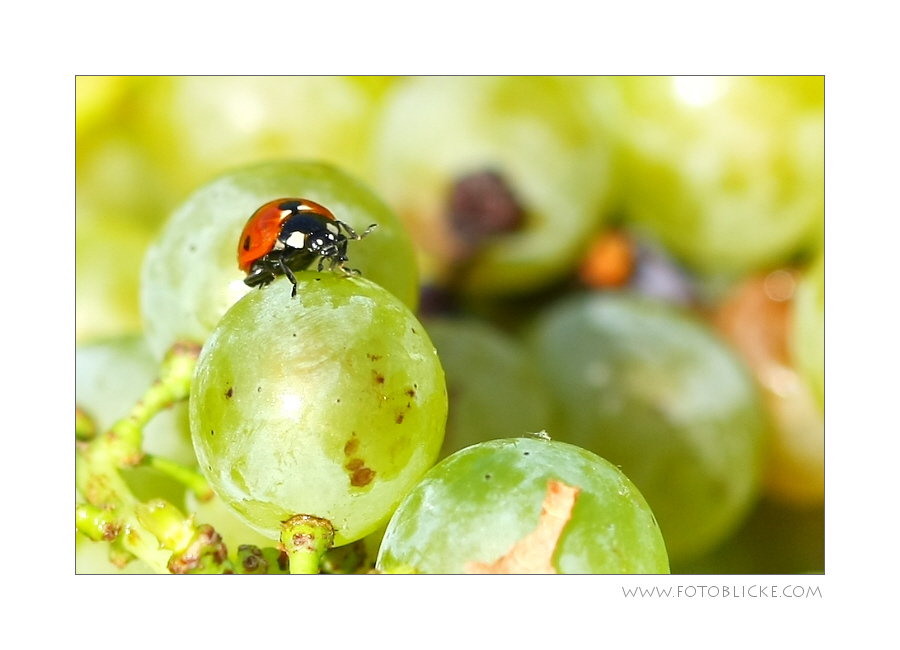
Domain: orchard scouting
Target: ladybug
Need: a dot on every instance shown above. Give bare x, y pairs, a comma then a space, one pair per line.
287, 235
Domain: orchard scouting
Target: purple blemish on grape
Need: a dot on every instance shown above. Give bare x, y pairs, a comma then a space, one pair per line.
482, 205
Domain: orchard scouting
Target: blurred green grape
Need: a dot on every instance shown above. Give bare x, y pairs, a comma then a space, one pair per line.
728, 172
652, 390
475, 505
808, 332
203, 125
538, 135
493, 388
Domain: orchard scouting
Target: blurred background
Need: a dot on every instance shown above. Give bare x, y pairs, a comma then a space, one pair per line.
633, 264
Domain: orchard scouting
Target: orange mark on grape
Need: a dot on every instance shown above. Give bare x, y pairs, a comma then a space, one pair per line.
534, 552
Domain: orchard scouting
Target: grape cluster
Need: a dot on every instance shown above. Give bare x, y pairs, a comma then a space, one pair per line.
587, 334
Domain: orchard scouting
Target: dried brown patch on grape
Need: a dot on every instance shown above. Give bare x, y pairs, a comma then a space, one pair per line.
534, 552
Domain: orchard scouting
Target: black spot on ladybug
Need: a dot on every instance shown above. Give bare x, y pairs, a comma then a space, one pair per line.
246, 243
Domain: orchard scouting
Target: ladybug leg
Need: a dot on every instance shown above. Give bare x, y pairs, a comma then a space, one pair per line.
352, 232
290, 275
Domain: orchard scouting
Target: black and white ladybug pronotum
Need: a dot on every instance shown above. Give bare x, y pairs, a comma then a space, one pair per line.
288, 235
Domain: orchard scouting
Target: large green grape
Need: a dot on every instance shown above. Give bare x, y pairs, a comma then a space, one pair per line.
655, 392
190, 275
475, 505
536, 135
331, 404
728, 172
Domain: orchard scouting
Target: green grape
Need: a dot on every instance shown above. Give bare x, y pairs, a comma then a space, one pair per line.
475, 505
331, 404
728, 172
535, 134
808, 329
107, 268
494, 390
654, 391
190, 275
196, 127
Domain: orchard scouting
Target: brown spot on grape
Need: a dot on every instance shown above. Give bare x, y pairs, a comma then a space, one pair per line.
362, 477
411, 392
379, 378
399, 418
355, 464
373, 357
229, 392
351, 447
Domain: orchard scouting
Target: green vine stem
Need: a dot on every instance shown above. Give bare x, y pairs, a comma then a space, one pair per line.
306, 539
155, 532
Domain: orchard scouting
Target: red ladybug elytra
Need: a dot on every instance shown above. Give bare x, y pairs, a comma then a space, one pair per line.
287, 235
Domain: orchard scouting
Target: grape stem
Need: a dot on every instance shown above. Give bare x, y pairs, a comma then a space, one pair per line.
306, 539
156, 532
